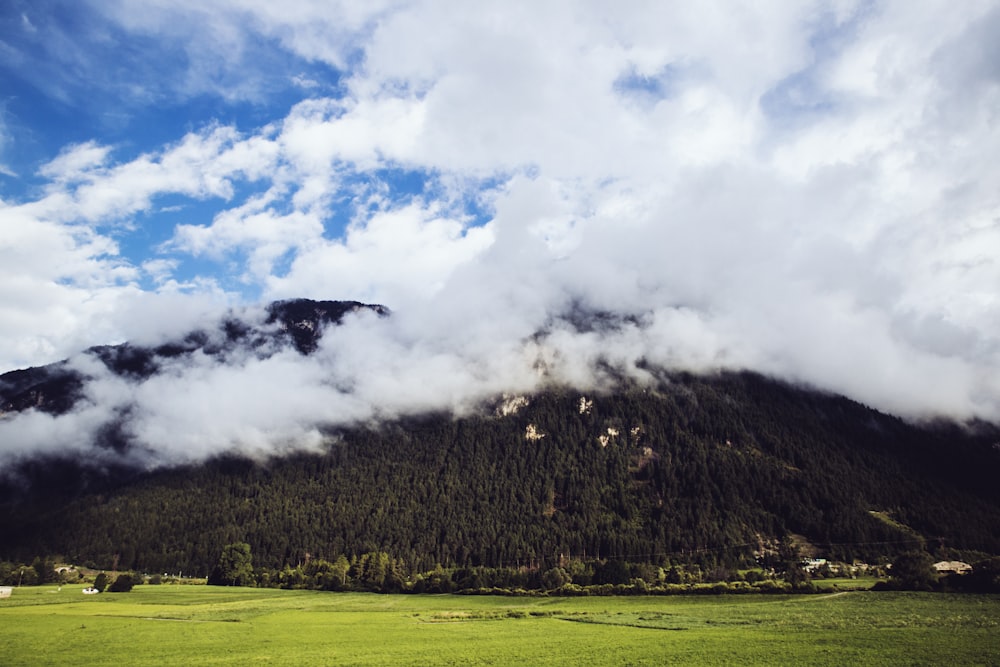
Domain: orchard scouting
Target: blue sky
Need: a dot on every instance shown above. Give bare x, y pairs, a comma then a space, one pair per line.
807, 189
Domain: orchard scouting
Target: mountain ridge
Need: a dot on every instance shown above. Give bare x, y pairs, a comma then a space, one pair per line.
697, 467
54, 388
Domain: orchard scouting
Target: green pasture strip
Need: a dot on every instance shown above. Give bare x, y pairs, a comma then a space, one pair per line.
845, 584
155, 625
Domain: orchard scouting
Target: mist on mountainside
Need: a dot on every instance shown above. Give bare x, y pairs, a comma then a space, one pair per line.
262, 382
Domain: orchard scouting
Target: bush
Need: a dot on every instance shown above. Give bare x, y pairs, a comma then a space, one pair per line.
571, 590
26, 576
913, 571
704, 589
45, 569
985, 577
123, 584
740, 587
772, 586
555, 578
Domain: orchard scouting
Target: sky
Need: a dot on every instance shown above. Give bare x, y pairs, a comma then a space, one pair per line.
807, 189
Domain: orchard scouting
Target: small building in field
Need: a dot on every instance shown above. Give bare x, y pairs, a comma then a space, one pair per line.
813, 564
5, 591
952, 567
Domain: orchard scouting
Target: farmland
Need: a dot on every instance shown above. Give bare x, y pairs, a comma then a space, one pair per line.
203, 625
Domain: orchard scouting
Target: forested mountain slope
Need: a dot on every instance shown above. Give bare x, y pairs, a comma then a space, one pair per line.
704, 469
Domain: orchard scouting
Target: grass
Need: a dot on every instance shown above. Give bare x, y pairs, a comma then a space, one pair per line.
834, 584
196, 625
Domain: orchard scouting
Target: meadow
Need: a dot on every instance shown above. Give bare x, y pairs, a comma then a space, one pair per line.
205, 625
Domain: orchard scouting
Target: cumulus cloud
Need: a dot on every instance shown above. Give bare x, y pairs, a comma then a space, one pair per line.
803, 189
59, 280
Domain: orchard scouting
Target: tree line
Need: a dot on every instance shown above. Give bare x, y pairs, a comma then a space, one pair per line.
781, 571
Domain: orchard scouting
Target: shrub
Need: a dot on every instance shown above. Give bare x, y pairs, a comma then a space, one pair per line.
772, 586
914, 571
571, 590
123, 584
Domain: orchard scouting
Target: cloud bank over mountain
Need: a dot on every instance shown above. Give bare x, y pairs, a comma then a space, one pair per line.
803, 189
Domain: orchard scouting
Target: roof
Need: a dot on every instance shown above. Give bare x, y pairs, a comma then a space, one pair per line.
952, 566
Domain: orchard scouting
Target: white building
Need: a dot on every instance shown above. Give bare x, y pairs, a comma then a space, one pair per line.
952, 566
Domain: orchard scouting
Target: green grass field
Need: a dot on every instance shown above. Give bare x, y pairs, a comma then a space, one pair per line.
203, 625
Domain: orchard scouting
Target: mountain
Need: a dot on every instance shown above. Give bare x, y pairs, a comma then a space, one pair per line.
56, 388
708, 469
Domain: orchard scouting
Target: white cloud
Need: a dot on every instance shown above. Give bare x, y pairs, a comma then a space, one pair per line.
239, 48
160, 269
65, 282
394, 257
83, 187
74, 163
264, 234
5, 140
303, 81
59, 280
